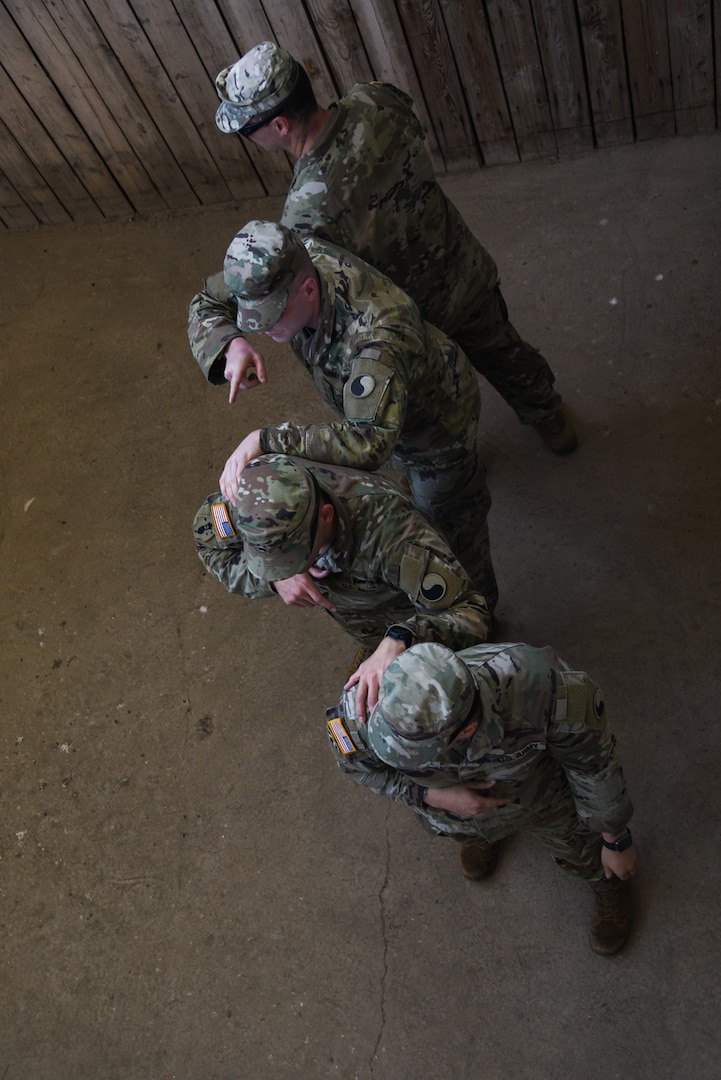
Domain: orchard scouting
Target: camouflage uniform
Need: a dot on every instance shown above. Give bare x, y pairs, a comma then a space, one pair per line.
389, 566
367, 184
542, 737
400, 385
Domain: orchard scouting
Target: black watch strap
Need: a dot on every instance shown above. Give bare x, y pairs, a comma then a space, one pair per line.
621, 844
400, 633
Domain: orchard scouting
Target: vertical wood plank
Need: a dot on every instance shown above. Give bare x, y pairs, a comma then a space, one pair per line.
29, 182
247, 22
294, 31
341, 42
218, 47
392, 62
59, 122
120, 100
691, 44
649, 65
173, 47
30, 134
118, 183
603, 49
514, 36
436, 70
470, 38
131, 45
561, 53
14, 211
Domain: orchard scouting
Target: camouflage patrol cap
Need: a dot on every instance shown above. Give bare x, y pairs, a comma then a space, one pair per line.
425, 698
253, 88
260, 264
275, 511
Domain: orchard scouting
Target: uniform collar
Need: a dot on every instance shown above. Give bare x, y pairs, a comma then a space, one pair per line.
340, 554
327, 133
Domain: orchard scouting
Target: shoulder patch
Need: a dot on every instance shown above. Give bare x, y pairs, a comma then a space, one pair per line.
427, 580
433, 588
340, 736
216, 287
440, 585
221, 521
365, 389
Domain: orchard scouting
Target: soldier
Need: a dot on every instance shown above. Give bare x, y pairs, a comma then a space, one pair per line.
363, 180
400, 386
383, 572
496, 739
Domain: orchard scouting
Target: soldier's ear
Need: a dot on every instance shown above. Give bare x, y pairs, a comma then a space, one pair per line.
280, 125
326, 513
309, 287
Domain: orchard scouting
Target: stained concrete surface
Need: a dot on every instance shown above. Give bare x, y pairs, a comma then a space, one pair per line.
190, 889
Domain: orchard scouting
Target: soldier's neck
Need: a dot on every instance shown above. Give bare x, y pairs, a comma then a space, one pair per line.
309, 135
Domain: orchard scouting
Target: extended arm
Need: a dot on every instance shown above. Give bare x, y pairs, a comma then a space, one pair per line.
372, 399
218, 346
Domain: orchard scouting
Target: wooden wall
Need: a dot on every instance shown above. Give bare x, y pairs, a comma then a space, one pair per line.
107, 106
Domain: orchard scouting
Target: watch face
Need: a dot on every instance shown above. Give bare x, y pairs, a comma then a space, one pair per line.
621, 844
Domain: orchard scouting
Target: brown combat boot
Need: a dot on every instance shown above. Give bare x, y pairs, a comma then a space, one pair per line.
558, 433
611, 920
478, 858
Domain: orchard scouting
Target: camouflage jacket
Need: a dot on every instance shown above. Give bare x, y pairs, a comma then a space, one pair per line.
539, 720
389, 565
367, 185
399, 384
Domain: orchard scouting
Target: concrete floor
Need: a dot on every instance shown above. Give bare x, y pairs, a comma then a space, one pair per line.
190, 889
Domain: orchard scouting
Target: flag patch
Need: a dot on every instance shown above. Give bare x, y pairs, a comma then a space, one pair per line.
221, 521
340, 736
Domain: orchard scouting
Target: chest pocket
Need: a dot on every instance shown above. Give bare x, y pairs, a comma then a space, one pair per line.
429, 582
366, 387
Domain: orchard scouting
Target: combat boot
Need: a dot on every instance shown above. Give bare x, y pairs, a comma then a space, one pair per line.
557, 432
478, 858
611, 920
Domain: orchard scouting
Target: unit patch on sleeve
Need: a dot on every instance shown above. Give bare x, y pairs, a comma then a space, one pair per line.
433, 588
428, 580
366, 387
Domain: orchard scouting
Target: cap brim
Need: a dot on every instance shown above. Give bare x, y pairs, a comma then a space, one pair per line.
260, 315
230, 119
276, 567
402, 754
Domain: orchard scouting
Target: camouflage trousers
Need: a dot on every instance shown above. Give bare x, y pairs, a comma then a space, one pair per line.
453, 493
513, 367
555, 824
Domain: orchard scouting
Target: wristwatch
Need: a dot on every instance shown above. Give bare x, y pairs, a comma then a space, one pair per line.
621, 844
400, 633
